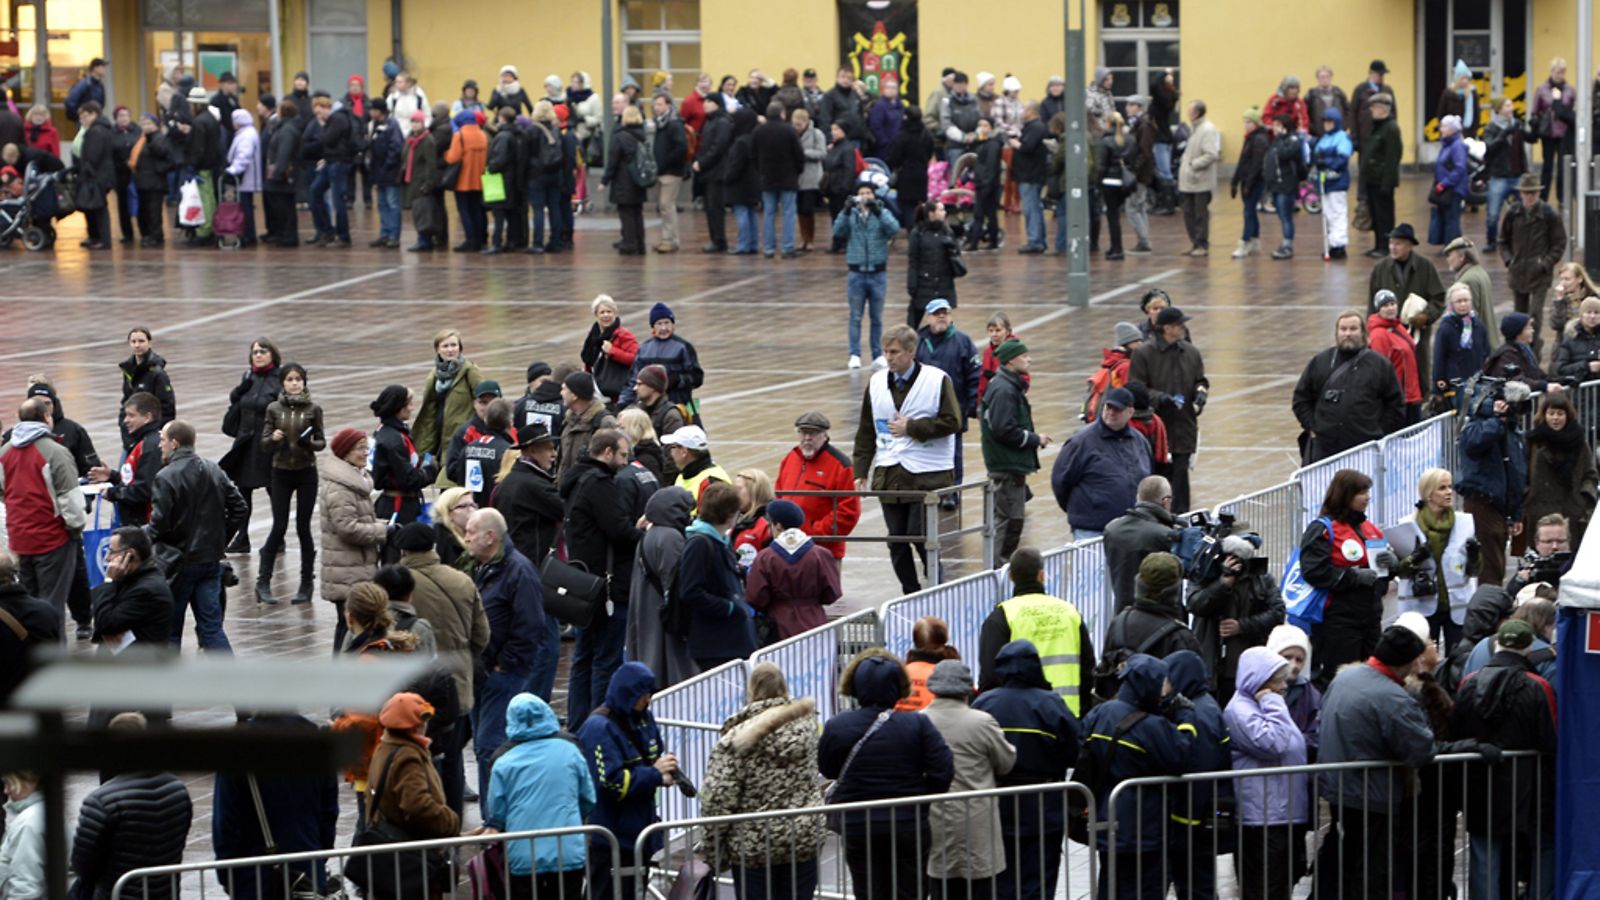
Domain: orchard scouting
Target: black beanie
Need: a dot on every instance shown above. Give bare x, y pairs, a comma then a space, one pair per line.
581, 384
415, 537
1399, 646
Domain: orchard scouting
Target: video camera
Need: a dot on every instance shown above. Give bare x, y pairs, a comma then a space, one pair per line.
871, 206
1547, 569
1199, 545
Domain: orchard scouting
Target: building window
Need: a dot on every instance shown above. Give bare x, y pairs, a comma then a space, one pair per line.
661, 34
76, 37
1138, 40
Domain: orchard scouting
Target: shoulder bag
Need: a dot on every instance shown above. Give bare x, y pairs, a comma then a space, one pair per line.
835, 820
571, 592
407, 875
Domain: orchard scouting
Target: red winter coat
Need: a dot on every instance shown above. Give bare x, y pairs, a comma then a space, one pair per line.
991, 365
1278, 105
1390, 339
791, 584
1113, 373
1154, 431
829, 471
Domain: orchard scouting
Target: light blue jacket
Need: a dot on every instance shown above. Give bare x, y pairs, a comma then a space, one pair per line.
866, 238
541, 781
1332, 154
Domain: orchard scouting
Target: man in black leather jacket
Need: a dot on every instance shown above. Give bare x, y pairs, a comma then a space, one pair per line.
196, 507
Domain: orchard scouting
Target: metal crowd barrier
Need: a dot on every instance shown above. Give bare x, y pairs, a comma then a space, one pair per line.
946, 845
933, 538
1418, 850
963, 604
1406, 454
1315, 478
287, 874
812, 662
695, 705
1274, 514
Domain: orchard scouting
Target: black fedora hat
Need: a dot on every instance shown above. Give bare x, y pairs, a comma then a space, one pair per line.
535, 433
1405, 232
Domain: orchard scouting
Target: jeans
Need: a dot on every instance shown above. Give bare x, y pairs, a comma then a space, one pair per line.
1488, 853
49, 576
1163, 162
1252, 214
388, 211
867, 291
771, 204
544, 197
1499, 190
489, 724
334, 178
1032, 194
1284, 204
247, 205
200, 585
301, 486
596, 656
744, 219
1061, 223
1444, 222
474, 226
543, 679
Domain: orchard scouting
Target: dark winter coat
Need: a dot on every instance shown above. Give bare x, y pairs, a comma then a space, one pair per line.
884, 119
69, 434
1210, 751
678, 357
155, 161
1532, 242
247, 463
986, 173
1580, 348
1368, 716
1381, 150
1561, 477
1010, 445
1172, 370
1355, 594
778, 158
1516, 353
140, 603
86, 88
600, 528
513, 602
1503, 154
339, 141
283, 156
741, 179
386, 153
1254, 601
954, 354
517, 100
294, 415
1451, 361
196, 508
1145, 529
791, 581
1285, 164
907, 157
839, 168
42, 622
1036, 722
931, 252
1370, 403
1134, 628
133, 488
844, 107
905, 758
130, 822
1160, 748
671, 147
149, 376
1252, 160
720, 625
1508, 705
715, 142
206, 151
1030, 162
531, 504
621, 746
97, 169
543, 406
1097, 474
625, 142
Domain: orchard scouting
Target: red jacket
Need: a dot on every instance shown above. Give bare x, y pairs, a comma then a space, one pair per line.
1154, 431
1390, 339
693, 111
1278, 105
792, 583
34, 524
1113, 373
991, 365
829, 471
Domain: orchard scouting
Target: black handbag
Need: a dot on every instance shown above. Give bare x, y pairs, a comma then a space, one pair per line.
449, 177
571, 592
958, 266
410, 875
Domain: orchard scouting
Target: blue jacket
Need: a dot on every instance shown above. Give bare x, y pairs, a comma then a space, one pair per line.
1152, 747
883, 120
955, 354
1332, 153
1450, 359
1096, 477
721, 624
1450, 169
907, 757
866, 239
1493, 460
621, 747
678, 357
87, 88
301, 810
1212, 750
513, 600
540, 781
385, 153
1041, 727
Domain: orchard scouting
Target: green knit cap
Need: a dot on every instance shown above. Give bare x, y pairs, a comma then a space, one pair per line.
1009, 349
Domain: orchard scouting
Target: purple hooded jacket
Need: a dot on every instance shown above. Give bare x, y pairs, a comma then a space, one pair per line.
1264, 736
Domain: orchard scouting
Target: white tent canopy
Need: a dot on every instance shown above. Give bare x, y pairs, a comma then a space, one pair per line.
1580, 587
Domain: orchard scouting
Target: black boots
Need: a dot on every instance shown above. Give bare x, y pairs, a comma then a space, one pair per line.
308, 569
240, 542
269, 559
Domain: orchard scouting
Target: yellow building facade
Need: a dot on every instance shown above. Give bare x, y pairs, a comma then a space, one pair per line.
1231, 53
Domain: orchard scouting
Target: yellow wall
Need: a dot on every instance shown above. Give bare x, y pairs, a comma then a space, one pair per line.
738, 35
449, 42
1553, 35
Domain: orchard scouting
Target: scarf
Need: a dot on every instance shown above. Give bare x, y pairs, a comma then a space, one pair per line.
1465, 342
444, 373
267, 369
1562, 446
411, 151
133, 155
507, 91
1435, 528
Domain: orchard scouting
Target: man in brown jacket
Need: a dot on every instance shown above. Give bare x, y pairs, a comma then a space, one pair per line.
449, 600
1176, 374
910, 419
1532, 241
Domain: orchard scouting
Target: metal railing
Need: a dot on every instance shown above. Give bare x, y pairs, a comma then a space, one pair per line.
1411, 847
963, 604
812, 662
934, 538
1275, 514
695, 706
442, 864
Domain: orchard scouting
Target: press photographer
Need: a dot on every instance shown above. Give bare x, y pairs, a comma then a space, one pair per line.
1235, 610
1493, 474
865, 228
1550, 557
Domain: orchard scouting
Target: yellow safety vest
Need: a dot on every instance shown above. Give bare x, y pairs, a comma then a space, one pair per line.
695, 484
1056, 630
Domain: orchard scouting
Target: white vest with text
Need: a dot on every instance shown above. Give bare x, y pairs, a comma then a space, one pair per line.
922, 402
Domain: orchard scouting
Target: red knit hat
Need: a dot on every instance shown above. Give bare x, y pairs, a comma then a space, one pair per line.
346, 440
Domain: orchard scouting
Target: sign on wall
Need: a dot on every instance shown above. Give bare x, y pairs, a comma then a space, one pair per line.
880, 44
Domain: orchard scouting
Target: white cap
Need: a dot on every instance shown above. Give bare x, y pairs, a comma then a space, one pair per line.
1012, 83
689, 437
983, 78
509, 68
553, 81
1414, 622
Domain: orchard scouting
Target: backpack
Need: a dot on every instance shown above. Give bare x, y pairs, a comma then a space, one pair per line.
1101, 381
549, 152
642, 165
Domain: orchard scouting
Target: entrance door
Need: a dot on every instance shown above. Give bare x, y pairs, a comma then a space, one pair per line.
1490, 38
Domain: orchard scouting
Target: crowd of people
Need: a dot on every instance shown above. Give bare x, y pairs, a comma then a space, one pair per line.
447, 527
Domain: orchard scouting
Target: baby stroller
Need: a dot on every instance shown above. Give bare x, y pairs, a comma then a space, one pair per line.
882, 180
30, 215
228, 221
960, 198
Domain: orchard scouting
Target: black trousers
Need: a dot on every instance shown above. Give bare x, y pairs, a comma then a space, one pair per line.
283, 226
301, 486
716, 213
1346, 635
451, 763
906, 519
1354, 859
548, 886
152, 212
98, 223
441, 232
985, 216
632, 216
1197, 217
1180, 482
474, 224
1380, 204
885, 865
124, 210
1113, 206
1269, 860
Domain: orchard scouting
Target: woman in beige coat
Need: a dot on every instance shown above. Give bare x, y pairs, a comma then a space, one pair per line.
967, 850
352, 537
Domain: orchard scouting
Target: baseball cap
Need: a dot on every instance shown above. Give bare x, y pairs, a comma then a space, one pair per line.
487, 388
1121, 398
689, 437
1171, 316
936, 305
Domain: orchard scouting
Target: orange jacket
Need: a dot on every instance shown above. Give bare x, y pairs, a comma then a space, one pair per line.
469, 147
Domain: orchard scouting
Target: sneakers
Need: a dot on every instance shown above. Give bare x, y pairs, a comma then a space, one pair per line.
1140, 248
1284, 251
1242, 250
1198, 251
854, 363
878, 363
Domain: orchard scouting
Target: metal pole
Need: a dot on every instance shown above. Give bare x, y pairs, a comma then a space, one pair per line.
930, 535
275, 35
607, 75
1584, 155
1076, 146
41, 55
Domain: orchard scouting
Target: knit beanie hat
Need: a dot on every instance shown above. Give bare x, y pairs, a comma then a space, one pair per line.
406, 713
538, 369
661, 311
1126, 333
414, 538
1416, 622
1009, 349
1160, 572
581, 384
1512, 324
786, 513
1399, 646
1253, 115
950, 678
346, 440
654, 375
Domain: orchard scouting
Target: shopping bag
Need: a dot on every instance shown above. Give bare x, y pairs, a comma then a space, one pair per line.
191, 212
494, 187
1303, 602
97, 539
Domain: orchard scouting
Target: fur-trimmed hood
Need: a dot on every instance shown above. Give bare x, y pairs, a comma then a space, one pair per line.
746, 731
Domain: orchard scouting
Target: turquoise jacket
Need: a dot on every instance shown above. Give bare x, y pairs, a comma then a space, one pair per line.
540, 781
866, 237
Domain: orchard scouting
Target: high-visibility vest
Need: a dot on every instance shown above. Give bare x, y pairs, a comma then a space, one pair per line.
697, 483
1056, 630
